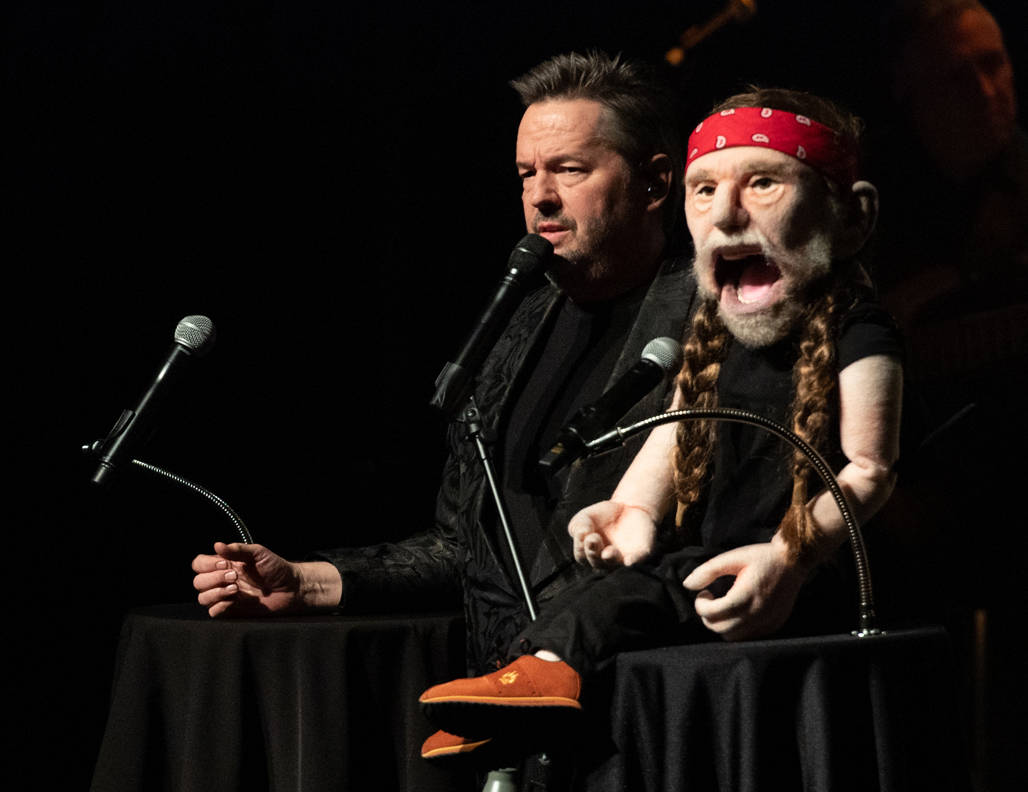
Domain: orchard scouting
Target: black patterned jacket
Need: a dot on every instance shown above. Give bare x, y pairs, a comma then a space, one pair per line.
457, 558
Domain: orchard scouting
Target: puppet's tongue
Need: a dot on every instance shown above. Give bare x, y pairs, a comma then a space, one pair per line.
756, 279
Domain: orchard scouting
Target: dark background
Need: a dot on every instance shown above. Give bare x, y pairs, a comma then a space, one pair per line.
332, 184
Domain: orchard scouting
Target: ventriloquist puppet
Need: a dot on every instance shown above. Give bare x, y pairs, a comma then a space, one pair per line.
787, 328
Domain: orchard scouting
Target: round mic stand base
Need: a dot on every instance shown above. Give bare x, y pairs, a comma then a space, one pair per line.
500, 781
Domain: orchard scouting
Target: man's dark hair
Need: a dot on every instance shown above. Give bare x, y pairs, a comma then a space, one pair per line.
641, 115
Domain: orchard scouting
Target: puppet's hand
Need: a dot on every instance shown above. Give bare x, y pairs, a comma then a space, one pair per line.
767, 581
609, 534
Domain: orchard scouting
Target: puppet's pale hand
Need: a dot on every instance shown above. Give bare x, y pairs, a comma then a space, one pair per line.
609, 534
767, 581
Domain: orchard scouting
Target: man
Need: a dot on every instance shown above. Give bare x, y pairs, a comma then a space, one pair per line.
597, 157
953, 94
953, 269
785, 329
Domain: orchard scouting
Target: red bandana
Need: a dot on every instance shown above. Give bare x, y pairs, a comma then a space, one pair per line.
796, 135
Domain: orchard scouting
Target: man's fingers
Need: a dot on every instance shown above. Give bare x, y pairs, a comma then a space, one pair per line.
237, 551
210, 580
220, 594
208, 563
220, 607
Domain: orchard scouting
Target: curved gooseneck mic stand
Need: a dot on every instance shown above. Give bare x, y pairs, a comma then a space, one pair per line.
229, 512
867, 618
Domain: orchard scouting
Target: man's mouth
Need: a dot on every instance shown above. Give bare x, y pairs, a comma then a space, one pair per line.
554, 232
748, 277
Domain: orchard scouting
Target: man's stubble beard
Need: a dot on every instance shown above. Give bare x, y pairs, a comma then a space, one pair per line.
586, 269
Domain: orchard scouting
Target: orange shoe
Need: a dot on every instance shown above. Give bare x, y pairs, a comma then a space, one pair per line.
522, 694
443, 745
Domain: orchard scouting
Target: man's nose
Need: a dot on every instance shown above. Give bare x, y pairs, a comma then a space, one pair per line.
727, 212
542, 193
985, 81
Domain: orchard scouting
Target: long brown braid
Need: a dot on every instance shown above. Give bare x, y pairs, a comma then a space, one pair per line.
704, 350
814, 380
813, 408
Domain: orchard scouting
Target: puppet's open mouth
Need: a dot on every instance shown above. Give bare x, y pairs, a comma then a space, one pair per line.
750, 276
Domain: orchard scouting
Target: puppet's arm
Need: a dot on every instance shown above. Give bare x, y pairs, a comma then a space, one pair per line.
768, 576
622, 530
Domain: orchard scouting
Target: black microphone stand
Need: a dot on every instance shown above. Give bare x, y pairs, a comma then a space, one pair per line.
867, 619
501, 779
233, 516
471, 418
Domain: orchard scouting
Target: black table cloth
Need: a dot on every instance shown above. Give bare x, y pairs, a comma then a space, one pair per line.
829, 713
304, 704
330, 703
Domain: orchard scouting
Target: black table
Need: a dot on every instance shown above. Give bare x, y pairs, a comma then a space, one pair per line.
827, 713
305, 704
330, 703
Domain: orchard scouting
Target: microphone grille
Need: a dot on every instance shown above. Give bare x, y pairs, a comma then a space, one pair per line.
665, 352
531, 253
195, 333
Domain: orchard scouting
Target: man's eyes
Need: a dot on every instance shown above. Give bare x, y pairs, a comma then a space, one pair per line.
557, 170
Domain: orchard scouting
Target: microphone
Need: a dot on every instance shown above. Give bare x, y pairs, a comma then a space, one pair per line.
661, 358
194, 336
532, 255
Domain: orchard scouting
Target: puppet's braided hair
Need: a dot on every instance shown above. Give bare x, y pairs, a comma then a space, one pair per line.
704, 350
813, 410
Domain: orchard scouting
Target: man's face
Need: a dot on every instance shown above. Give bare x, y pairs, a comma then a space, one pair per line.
961, 93
762, 225
581, 195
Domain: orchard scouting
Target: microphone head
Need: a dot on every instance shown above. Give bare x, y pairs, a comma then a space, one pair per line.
195, 333
666, 353
531, 253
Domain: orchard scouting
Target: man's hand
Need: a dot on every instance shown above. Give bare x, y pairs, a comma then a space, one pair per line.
250, 580
609, 534
767, 581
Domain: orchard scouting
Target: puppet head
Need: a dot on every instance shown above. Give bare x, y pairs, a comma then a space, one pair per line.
773, 202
